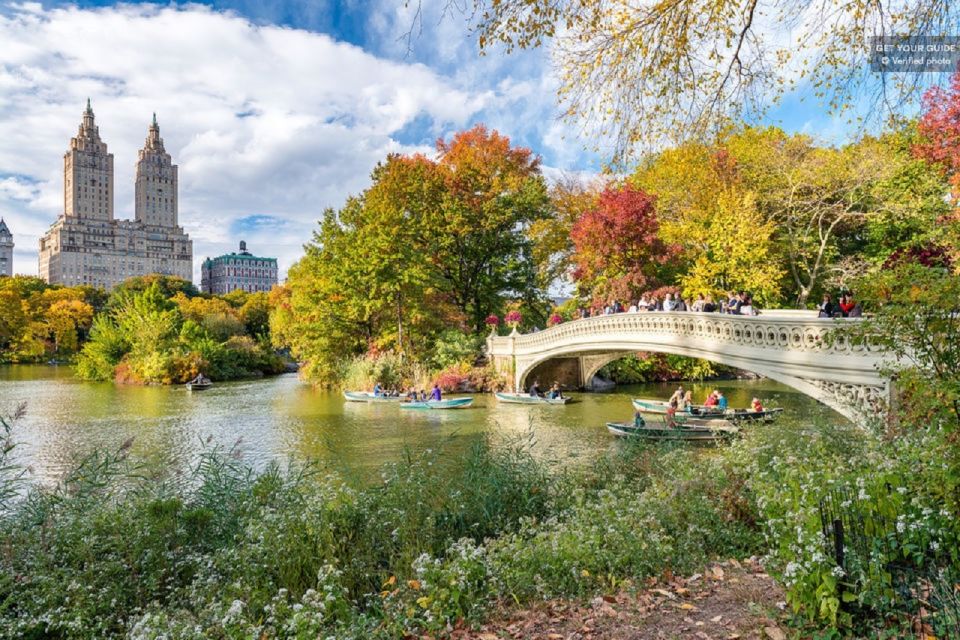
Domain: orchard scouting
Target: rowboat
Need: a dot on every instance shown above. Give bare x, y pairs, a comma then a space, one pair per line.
520, 398
659, 432
452, 403
200, 383
366, 396
660, 407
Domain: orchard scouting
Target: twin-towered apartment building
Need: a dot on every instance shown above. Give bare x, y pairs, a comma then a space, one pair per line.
88, 246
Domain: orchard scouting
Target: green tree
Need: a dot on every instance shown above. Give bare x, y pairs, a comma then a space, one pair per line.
255, 314
479, 237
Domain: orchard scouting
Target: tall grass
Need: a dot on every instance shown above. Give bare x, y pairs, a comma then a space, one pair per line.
223, 552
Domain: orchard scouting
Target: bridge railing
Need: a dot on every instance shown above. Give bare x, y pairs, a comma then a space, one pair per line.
784, 331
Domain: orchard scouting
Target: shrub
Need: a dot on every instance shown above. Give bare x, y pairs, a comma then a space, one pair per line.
454, 347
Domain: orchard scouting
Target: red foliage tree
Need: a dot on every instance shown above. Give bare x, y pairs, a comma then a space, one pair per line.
617, 250
939, 127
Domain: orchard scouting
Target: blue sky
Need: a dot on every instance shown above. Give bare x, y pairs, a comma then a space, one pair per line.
273, 110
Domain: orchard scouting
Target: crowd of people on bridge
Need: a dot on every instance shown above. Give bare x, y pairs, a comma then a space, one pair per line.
845, 307
736, 302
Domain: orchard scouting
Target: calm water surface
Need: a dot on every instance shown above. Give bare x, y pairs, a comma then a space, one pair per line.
281, 419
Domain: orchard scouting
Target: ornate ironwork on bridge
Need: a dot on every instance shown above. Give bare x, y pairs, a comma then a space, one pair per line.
789, 347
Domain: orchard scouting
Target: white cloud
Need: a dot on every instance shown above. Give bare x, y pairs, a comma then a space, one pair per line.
262, 120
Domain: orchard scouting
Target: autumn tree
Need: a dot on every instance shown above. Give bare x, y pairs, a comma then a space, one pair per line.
478, 238
618, 252
570, 197
939, 145
641, 74
835, 211
733, 250
66, 320
432, 243
39, 320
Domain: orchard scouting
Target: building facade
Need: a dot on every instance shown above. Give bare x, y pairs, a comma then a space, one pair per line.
6, 250
86, 245
238, 271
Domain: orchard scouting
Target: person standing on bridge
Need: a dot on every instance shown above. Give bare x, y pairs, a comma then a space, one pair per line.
846, 304
827, 308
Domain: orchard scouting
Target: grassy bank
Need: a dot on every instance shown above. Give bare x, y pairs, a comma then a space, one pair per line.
224, 552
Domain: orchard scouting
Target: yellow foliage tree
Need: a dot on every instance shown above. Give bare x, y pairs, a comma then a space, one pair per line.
732, 245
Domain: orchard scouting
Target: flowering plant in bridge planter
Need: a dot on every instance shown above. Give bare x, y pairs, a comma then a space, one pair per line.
513, 318
554, 320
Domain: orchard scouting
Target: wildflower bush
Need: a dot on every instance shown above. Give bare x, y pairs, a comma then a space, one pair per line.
895, 527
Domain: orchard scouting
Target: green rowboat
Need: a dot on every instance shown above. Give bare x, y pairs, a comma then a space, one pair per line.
520, 398
366, 396
452, 403
662, 432
659, 407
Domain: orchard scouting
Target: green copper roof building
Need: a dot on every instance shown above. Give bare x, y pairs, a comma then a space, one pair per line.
242, 270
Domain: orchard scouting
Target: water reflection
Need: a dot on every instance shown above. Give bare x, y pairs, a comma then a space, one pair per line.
281, 418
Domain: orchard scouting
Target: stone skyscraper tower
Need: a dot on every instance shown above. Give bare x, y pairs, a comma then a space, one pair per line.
6, 250
156, 203
86, 245
88, 174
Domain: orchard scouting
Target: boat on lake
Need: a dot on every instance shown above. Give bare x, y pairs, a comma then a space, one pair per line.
664, 432
366, 396
200, 383
521, 398
660, 407
452, 403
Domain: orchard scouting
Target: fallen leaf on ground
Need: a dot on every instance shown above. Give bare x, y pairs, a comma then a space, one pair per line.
774, 633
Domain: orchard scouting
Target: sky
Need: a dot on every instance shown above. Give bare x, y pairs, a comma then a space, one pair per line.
273, 110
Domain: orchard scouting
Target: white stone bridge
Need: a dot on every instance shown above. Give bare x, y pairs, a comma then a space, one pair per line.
786, 346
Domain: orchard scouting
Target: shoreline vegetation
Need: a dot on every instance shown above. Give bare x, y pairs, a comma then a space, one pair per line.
436, 544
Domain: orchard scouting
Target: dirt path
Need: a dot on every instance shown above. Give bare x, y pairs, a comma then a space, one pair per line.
730, 601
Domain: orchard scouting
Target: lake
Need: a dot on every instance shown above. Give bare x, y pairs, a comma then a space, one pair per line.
282, 418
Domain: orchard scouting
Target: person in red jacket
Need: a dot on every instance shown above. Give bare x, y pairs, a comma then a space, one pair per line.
846, 304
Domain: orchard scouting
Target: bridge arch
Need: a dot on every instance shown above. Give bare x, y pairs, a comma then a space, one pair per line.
788, 347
